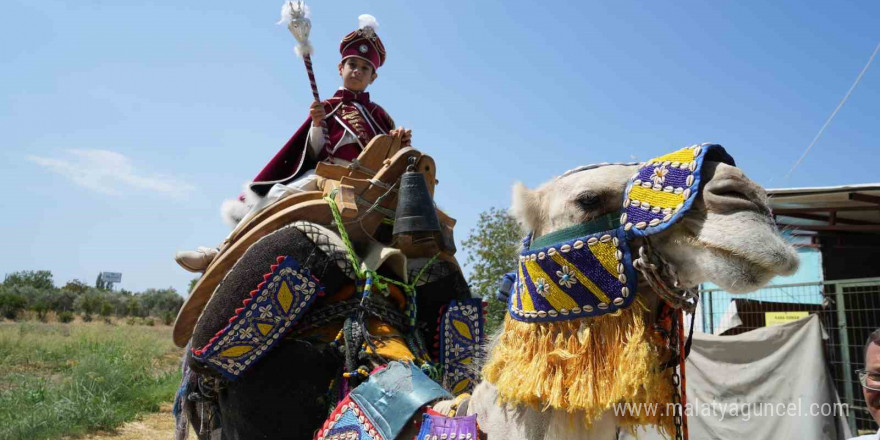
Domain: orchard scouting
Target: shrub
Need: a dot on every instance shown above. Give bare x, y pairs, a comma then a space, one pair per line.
11, 304
87, 317
89, 303
65, 317
42, 310
106, 309
150, 322
167, 318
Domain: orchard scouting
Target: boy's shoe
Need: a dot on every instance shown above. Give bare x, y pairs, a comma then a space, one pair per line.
197, 260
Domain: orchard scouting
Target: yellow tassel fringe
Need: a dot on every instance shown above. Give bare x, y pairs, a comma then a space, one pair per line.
586, 364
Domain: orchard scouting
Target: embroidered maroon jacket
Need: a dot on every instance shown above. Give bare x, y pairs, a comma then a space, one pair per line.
346, 111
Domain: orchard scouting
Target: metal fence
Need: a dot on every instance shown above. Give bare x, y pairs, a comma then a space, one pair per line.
849, 310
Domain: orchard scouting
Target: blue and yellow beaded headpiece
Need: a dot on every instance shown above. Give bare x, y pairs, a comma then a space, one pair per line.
587, 269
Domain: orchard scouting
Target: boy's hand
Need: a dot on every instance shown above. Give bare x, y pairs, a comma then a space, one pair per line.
317, 112
404, 135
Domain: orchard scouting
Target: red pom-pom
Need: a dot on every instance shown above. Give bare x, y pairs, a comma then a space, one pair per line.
280, 259
267, 276
261, 285
254, 292
246, 301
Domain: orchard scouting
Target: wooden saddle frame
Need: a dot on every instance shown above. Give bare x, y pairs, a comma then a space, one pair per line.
365, 193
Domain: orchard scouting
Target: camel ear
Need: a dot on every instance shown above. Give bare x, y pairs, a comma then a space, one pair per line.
526, 207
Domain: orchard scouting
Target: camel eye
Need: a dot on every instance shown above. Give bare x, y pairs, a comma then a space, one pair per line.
588, 201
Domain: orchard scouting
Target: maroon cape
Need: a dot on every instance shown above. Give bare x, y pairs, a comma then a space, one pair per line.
346, 112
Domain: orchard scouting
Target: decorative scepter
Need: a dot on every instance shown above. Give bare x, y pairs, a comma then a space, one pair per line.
296, 14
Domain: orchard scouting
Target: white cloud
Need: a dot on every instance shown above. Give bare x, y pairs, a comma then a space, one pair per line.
112, 173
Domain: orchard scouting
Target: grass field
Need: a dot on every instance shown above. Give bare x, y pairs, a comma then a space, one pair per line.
68, 379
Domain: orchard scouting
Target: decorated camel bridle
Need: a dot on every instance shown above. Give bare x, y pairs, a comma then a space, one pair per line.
588, 270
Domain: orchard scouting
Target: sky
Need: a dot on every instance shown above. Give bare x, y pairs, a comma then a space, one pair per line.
124, 125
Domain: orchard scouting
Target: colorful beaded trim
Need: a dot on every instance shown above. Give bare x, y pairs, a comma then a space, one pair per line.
440, 427
273, 308
594, 275
665, 188
587, 276
348, 421
461, 336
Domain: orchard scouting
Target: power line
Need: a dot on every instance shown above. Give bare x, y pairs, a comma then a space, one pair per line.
834, 113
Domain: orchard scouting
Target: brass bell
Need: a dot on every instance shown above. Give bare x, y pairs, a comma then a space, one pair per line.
415, 207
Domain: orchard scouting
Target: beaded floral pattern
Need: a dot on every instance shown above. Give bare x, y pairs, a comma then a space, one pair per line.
588, 276
461, 336
273, 308
594, 275
664, 188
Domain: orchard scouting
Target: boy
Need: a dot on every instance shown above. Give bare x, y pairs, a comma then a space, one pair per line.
352, 121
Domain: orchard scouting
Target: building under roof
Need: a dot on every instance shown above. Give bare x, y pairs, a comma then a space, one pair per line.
841, 222
847, 208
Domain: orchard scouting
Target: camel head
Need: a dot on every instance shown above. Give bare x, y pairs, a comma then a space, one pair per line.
607, 242
727, 236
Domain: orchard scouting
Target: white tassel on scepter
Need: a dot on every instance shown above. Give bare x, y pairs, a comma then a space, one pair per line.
296, 15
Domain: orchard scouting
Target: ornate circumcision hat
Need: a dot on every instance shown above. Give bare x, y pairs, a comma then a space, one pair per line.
364, 42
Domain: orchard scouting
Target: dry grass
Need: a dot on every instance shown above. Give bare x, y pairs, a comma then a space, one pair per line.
158, 425
70, 379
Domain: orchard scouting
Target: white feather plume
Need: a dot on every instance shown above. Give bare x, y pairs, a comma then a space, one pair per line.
293, 9
303, 49
367, 21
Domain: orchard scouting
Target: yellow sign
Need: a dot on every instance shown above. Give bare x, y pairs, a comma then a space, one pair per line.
776, 318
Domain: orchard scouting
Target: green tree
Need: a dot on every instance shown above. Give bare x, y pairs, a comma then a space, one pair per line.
106, 308
89, 303
493, 248
11, 304
41, 306
156, 301
133, 306
63, 302
76, 286
38, 279
192, 285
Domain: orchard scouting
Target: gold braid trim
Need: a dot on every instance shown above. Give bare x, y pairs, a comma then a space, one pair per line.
586, 364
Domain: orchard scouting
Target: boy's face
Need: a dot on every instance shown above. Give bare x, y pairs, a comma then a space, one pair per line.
356, 74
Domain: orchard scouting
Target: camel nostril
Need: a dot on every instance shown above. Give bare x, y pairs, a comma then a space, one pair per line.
729, 195
735, 195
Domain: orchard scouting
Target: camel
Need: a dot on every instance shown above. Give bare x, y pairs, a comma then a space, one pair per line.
542, 378
727, 237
